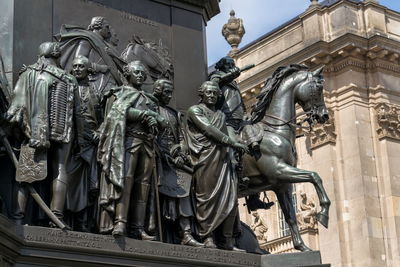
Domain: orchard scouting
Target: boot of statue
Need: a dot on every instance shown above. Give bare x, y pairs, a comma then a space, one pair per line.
138, 209
189, 240
254, 203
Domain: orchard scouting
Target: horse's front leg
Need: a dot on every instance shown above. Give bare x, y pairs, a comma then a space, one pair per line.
288, 174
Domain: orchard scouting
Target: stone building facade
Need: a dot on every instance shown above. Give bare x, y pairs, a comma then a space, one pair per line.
358, 152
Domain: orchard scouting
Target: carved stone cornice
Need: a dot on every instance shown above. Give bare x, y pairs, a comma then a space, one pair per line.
351, 48
322, 134
388, 120
356, 55
211, 6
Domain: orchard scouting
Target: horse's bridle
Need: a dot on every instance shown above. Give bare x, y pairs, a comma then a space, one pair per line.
289, 122
313, 110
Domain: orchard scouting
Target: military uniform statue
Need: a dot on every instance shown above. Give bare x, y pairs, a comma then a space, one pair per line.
215, 179
175, 183
84, 181
126, 153
42, 107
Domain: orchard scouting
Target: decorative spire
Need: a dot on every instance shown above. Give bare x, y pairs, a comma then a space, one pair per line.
233, 32
314, 3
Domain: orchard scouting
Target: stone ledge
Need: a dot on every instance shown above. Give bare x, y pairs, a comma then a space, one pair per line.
22, 245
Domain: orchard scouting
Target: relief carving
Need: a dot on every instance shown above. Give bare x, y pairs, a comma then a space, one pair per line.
260, 228
387, 116
322, 134
306, 216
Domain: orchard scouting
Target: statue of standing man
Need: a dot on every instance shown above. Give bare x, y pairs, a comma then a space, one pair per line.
43, 108
175, 183
126, 153
215, 179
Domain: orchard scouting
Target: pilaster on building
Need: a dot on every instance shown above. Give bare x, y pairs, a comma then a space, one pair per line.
358, 153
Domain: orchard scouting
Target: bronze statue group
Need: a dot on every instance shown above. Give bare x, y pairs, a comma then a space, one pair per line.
116, 159
102, 146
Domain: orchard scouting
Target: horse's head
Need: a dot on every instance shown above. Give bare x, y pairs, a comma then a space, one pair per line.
309, 95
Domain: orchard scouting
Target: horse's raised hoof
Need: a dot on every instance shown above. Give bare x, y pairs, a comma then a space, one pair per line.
323, 219
302, 247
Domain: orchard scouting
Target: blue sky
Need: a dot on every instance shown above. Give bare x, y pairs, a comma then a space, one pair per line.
260, 17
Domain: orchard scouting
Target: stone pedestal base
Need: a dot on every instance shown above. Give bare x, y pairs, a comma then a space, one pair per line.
39, 246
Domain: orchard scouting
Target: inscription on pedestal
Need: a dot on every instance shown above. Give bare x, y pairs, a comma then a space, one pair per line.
54, 237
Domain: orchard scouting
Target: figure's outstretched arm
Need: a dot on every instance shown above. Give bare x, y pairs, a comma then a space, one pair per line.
196, 115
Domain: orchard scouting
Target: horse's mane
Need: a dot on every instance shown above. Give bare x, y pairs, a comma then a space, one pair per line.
269, 89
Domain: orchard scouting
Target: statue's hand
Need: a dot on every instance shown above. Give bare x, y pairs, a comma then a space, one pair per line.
162, 122
179, 162
235, 72
241, 147
151, 121
37, 144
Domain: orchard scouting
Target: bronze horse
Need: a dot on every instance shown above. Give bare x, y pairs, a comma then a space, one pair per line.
274, 129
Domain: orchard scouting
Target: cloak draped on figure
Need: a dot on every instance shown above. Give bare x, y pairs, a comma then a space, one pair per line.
111, 152
215, 180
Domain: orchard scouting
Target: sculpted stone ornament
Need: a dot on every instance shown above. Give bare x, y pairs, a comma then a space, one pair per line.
126, 154
260, 227
42, 107
215, 179
307, 214
322, 134
233, 32
174, 170
388, 118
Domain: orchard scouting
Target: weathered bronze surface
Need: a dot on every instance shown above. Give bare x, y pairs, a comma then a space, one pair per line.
42, 107
215, 179
111, 157
126, 153
272, 133
174, 171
